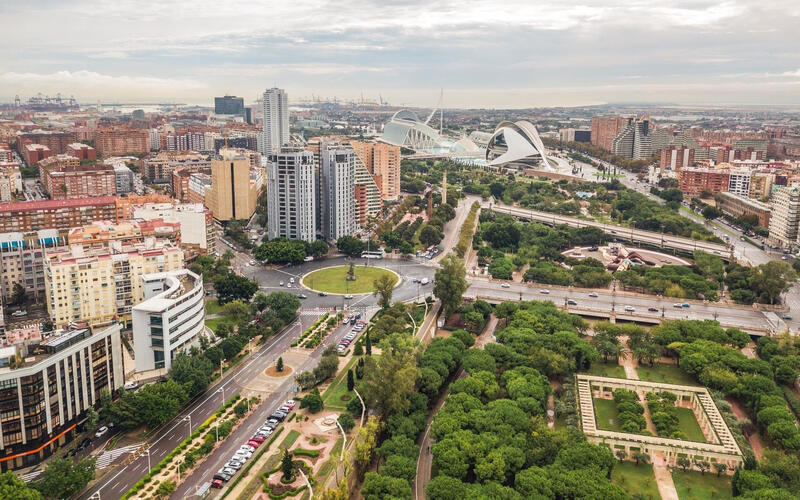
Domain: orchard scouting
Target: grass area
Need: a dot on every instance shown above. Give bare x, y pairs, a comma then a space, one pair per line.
610, 369
332, 279
692, 485
689, 426
605, 413
668, 374
213, 307
328, 466
214, 323
332, 397
290, 439
636, 479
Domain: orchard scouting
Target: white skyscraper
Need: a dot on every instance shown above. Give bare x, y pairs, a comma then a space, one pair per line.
291, 194
275, 116
337, 191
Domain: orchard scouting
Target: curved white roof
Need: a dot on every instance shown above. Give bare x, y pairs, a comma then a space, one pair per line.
515, 142
406, 129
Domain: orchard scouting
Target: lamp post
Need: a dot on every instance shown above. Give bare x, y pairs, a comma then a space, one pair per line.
147, 452
189, 418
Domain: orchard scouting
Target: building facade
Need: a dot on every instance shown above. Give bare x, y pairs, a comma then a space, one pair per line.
22, 260
741, 206
34, 153
119, 142
739, 181
605, 129
197, 228
693, 181
233, 193
83, 181
275, 120
291, 194
45, 398
634, 141
382, 161
57, 142
159, 168
784, 218
229, 105
81, 151
101, 285
336, 191
676, 157
24, 216
169, 320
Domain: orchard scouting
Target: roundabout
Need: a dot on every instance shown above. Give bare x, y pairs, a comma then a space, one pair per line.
335, 279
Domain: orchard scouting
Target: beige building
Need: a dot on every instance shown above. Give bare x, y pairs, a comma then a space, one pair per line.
235, 186
383, 163
784, 219
99, 286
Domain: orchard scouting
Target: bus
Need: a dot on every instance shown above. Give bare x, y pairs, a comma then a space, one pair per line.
372, 254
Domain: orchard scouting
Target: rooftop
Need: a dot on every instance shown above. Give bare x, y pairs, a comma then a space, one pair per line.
27, 206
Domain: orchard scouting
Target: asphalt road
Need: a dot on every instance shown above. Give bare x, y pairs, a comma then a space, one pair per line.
118, 481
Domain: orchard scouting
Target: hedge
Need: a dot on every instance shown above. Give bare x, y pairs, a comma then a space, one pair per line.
300, 452
262, 449
289, 493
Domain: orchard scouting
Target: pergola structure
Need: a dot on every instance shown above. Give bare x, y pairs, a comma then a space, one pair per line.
722, 449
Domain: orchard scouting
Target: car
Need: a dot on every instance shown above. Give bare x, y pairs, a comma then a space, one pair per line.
505, 285
424, 281
131, 385
278, 416
592, 249
544, 291
258, 439
686, 304
288, 285
346, 320
101, 432
221, 477
254, 444
291, 280
234, 464
216, 483
416, 280
652, 309
348, 296
786, 317
630, 309
593, 295
264, 433
572, 302
285, 409
677, 304
308, 259
273, 421
302, 296
243, 455
84, 444
323, 294
21, 312
252, 263
247, 448
281, 283
291, 403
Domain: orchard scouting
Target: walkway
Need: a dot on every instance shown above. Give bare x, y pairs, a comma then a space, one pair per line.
754, 439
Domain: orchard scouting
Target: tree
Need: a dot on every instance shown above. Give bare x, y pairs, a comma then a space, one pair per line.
279, 364
444, 487
350, 381
683, 463
430, 235
346, 421
231, 287
641, 457
384, 286
284, 305
237, 310
92, 419
105, 401
350, 245
621, 455
710, 212
770, 280
62, 478
165, 489
318, 248
400, 467
312, 401
450, 283
14, 488
720, 468
703, 466
368, 345
389, 379
192, 372
287, 467
18, 295
379, 487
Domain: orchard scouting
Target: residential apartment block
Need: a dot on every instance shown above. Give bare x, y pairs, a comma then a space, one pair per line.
693, 181
784, 219
121, 141
382, 161
741, 206
291, 194
22, 260
24, 216
82, 181
235, 186
605, 129
275, 120
336, 191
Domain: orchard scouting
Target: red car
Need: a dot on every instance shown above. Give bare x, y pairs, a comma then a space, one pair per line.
253, 443
257, 439
217, 483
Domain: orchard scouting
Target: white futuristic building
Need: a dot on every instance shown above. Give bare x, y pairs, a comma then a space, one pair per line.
516, 145
170, 319
407, 130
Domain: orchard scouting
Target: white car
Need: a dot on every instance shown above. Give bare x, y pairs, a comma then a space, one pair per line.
101, 432
348, 296
630, 309
544, 291
21, 312
505, 285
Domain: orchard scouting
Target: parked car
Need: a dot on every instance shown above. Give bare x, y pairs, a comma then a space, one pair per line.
258, 439
302, 296
254, 444
787, 317
234, 464
216, 483
686, 304
101, 432
219, 476
21, 312
247, 448
291, 403
131, 385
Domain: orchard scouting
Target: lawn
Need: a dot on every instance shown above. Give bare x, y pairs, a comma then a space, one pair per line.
610, 369
636, 479
689, 426
605, 413
696, 486
213, 307
214, 323
332, 279
336, 396
668, 374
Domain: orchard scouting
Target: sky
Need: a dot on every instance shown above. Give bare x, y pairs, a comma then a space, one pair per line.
484, 54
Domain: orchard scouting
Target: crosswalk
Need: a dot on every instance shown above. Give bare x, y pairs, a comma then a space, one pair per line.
31, 476
108, 457
315, 311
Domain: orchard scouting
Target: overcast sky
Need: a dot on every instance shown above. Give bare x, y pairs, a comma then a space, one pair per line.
509, 53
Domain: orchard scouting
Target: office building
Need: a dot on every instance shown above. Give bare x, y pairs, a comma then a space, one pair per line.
234, 186
121, 141
605, 129
82, 181
101, 285
738, 206
676, 157
46, 387
169, 320
81, 151
24, 216
382, 161
275, 120
784, 218
291, 194
22, 260
229, 105
336, 191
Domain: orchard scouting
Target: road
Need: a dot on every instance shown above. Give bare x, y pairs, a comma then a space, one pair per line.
117, 482
620, 232
728, 315
452, 229
250, 425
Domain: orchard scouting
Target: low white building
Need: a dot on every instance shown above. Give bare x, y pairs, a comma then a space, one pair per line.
170, 319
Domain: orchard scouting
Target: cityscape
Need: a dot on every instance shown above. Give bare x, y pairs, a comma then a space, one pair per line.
229, 276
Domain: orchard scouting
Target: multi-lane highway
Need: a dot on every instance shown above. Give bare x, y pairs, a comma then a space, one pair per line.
620, 232
608, 301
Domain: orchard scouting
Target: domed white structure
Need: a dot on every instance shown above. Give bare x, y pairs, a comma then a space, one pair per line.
516, 145
407, 130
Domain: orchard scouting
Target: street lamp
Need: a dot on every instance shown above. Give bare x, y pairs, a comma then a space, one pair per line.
147, 452
189, 418
222, 390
